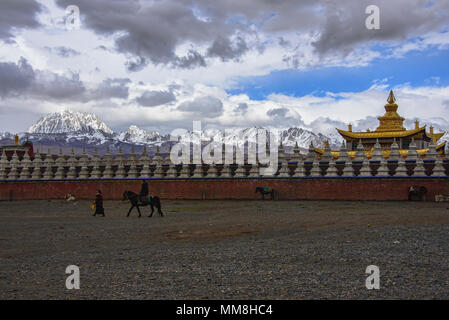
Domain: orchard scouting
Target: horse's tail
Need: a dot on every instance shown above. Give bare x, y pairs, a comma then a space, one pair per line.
157, 201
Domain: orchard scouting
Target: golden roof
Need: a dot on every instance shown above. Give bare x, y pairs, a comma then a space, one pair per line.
439, 148
391, 126
377, 134
436, 136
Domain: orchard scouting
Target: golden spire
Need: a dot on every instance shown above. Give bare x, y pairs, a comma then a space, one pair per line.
391, 98
391, 120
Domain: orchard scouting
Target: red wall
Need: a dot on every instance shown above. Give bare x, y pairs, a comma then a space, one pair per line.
234, 188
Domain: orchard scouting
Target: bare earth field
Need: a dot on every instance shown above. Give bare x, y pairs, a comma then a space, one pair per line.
225, 250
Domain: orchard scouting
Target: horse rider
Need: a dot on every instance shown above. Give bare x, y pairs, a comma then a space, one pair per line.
144, 192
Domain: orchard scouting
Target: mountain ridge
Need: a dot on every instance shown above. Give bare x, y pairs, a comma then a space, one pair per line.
82, 130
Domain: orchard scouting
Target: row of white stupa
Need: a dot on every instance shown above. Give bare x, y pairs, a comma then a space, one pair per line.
108, 167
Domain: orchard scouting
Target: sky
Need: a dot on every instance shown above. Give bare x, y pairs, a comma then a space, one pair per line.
161, 64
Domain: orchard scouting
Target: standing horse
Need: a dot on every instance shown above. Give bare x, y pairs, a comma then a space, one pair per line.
266, 190
136, 202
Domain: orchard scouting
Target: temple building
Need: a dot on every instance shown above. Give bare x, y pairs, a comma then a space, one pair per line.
391, 129
20, 149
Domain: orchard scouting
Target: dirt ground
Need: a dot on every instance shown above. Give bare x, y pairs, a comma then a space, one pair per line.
225, 250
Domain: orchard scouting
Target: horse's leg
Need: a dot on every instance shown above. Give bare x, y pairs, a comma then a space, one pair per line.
138, 209
132, 206
158, 206
152, 209
159, 210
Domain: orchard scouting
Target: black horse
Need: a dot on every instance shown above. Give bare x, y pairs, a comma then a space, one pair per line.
264, 190
135, 202
417, 193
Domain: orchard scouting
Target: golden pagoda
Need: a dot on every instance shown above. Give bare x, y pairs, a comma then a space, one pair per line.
390, 129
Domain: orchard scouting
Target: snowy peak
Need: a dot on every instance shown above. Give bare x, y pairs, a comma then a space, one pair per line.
304, 137
138, 136
68, 122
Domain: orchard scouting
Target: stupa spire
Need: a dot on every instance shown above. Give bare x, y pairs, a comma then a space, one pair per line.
391, 98
391, 120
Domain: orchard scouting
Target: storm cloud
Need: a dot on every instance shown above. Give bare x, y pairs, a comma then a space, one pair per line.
344, 26
16, 15
151, 32
223, 48
155, 98
206, 106
21, 79
111, 88
15, 78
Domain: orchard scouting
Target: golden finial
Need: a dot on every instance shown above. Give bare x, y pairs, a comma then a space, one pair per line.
391, 98
16, 139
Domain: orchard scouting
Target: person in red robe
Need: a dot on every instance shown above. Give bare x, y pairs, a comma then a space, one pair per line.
99, 204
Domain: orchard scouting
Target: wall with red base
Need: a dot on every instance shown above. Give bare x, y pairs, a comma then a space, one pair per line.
234, 188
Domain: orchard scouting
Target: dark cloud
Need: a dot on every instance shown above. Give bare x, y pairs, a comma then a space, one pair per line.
147, 32
22, 80
15, 78
135, 64
344, 26
206, 106
111, 88
155, 98
150, 32
193, 59
17, 14
51, 85
226, 50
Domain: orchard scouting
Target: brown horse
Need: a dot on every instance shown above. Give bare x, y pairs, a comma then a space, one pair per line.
136, 202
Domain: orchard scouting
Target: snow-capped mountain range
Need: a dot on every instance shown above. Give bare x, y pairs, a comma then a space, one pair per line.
69, 129
78, 130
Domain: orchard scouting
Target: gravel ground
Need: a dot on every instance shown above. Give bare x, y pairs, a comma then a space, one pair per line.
225, 250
